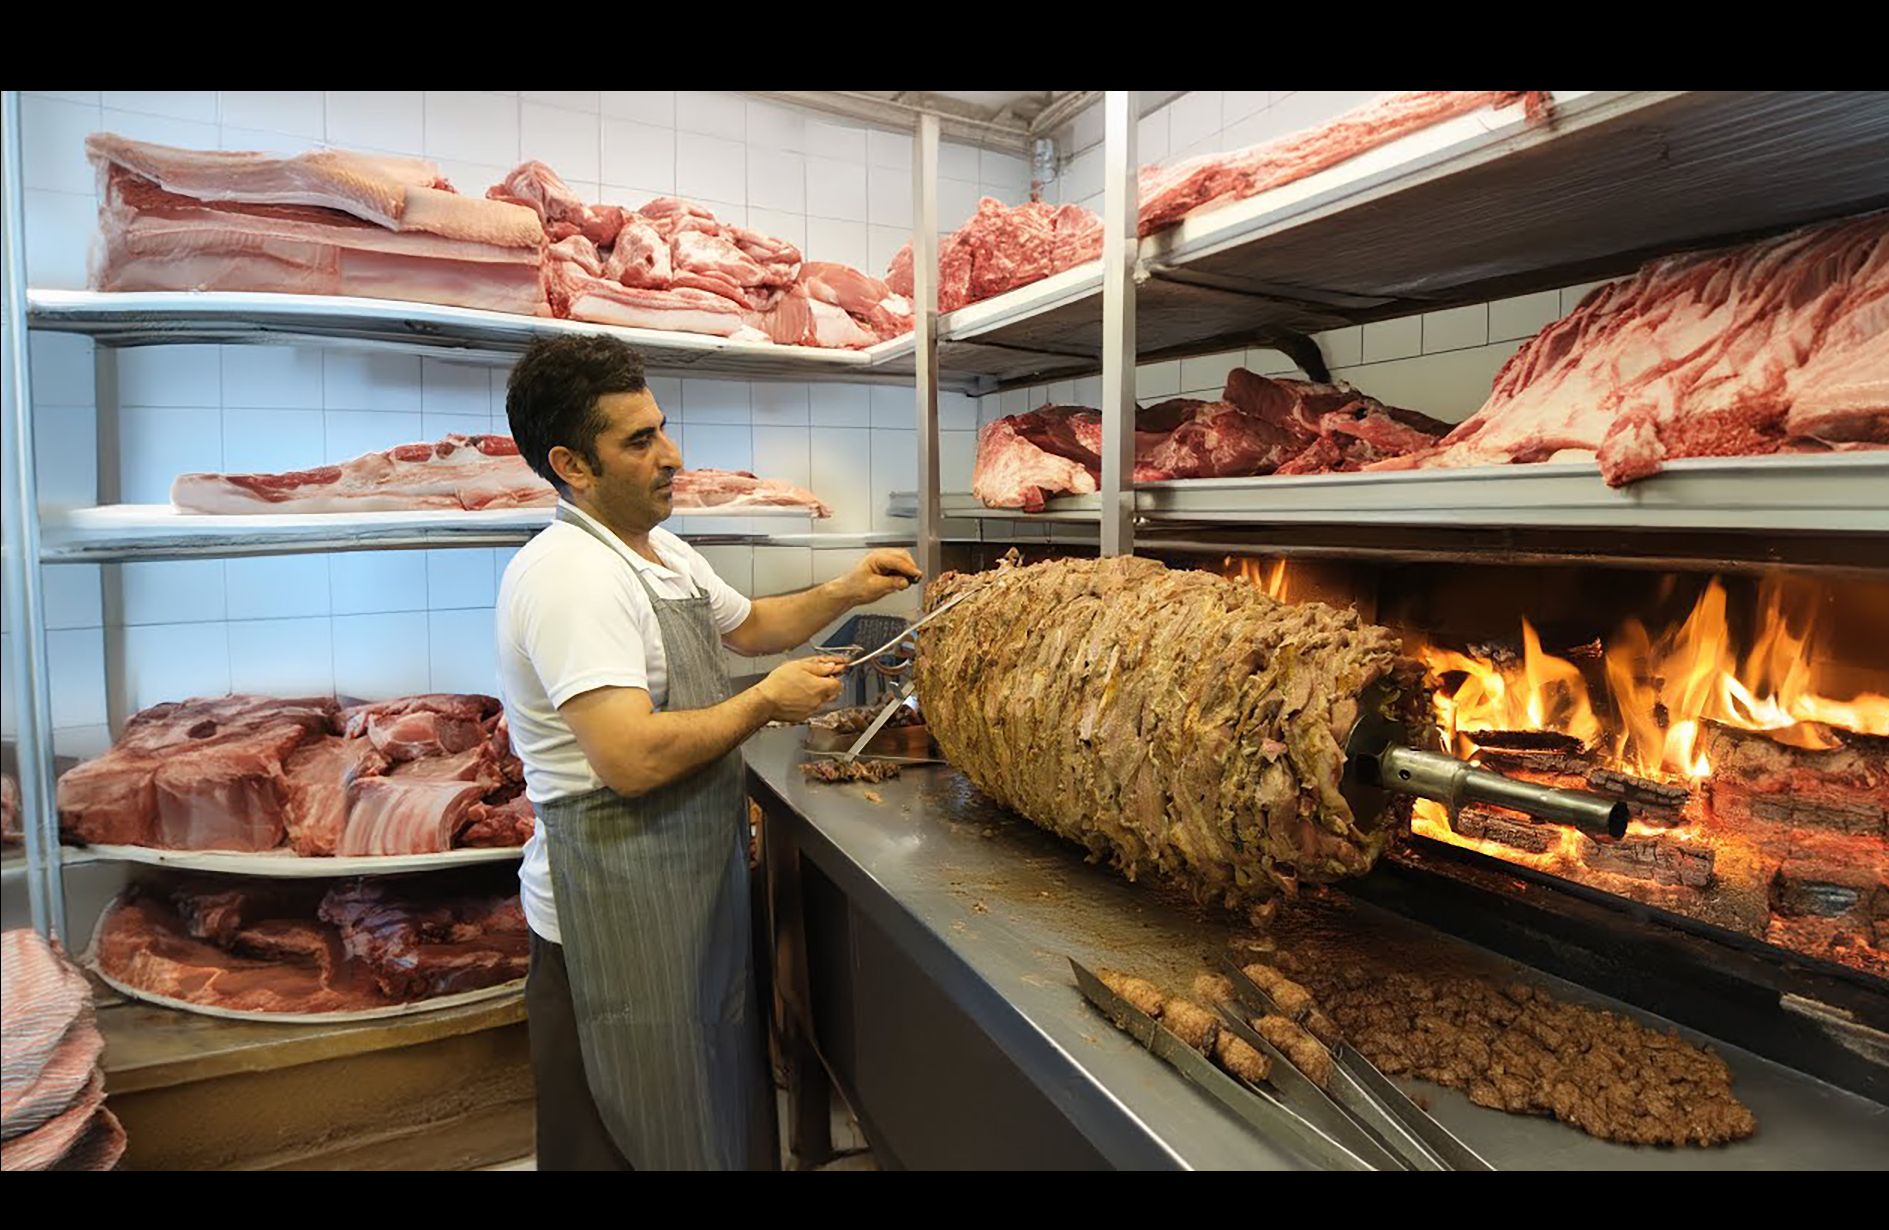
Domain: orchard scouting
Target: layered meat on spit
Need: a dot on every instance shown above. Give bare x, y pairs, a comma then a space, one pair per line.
1170, 721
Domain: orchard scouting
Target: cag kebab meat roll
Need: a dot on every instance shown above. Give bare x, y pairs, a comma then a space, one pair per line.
1168, 720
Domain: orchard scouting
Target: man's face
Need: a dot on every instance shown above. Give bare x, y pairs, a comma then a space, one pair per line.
637, 460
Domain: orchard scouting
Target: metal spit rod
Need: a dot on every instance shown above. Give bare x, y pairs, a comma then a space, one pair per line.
1453, 782
1380, 759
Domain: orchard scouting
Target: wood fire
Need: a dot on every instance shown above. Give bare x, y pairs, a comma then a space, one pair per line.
1759, 781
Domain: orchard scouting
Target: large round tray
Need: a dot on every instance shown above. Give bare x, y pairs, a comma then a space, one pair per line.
285, 864
909, 741
309, 1018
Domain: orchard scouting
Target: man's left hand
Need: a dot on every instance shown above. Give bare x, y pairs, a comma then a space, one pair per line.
885, 571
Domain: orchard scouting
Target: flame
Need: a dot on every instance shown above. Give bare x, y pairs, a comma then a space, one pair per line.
1268, 574
1540, 692
1667, 688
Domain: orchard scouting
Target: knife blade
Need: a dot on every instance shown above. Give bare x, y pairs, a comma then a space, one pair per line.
898, 698
911, 628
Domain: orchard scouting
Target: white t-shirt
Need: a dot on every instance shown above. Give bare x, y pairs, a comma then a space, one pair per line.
571, 618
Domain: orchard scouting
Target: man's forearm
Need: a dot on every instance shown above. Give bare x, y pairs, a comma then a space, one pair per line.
785, 621
673, 745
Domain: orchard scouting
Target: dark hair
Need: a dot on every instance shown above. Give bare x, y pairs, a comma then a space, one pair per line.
551, 398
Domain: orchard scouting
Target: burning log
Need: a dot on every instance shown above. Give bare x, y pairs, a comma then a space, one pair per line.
1663, 860
1552, 759
1844, 788
1506, 828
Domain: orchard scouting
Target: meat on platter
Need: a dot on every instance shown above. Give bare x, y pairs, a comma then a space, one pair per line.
52, 1091
1260, 425
470, 473
417, 775
335, 222
1173, 722
293, 946
1776, 346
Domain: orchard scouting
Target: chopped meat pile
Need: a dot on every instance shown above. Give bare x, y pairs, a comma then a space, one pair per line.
1777, 346
416, 775
1260, 426
834, 770
293, 946
854, 719
472, 473
52, 1089
1172, 722
1515, 1047
335, 222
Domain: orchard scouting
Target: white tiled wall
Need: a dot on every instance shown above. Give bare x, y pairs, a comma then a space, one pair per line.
382, 623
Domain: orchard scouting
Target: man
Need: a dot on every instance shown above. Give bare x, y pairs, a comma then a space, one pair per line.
646, 1038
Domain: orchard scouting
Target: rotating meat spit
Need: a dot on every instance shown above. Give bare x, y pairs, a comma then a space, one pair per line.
1382, 758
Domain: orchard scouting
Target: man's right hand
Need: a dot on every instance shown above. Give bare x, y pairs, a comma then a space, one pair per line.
796, 689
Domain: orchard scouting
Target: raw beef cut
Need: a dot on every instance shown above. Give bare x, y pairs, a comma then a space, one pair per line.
305, 947
1775, 346
561, 211
333, 222
325, 223
1172, 721
733, 490
226, 795
357, 720
464, 472
253, 773
422, 947
1002, 247
1260, 426
500, 824
1169, 193
835, 305
316, 780
52, 1095
114, 799
405, 815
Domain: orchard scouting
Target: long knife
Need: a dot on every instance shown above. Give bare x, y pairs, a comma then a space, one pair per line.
1251, 1104
859, 745
910, 628
1370, 1097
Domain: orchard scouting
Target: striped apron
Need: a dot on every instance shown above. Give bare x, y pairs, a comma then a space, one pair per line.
654, 914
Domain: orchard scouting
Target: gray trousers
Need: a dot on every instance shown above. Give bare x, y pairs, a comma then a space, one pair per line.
571, 1134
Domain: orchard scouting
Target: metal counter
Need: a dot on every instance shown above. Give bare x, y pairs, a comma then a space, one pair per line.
922, 946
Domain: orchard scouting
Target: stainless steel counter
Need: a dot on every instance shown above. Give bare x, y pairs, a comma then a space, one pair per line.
943, 1003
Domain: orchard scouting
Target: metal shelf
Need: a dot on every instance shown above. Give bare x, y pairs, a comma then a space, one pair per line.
150, 318
119, 533
1475, 208
1840, 493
